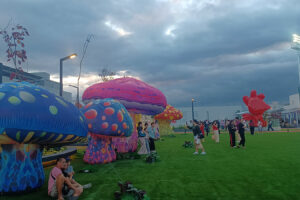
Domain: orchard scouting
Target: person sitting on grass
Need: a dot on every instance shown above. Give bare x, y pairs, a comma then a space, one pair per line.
68, 173
59, 186
197, 134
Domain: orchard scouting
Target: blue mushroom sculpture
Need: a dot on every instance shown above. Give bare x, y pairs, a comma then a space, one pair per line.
106, 118
31, 117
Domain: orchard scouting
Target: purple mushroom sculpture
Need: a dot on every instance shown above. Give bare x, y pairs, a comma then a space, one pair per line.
137, 96
31, 117
106, 118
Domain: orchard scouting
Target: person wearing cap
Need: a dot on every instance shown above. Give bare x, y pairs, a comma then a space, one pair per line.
197, 134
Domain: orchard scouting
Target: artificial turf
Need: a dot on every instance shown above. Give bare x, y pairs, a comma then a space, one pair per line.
269, 168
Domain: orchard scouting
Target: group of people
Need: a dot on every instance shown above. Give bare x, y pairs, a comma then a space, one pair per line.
61, 183
236, 128
147, 136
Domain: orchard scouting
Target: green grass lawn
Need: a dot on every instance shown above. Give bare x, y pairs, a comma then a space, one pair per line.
269, 168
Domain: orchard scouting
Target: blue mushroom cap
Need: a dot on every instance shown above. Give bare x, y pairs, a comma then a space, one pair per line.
108, 117
31, 114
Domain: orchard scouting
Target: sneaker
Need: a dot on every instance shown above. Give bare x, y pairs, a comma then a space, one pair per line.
87, 186
195, 153
203, 153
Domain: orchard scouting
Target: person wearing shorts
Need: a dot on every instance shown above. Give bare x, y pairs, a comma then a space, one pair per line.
58, 185
197, 135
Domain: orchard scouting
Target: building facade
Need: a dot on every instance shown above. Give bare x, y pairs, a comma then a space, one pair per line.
42, 79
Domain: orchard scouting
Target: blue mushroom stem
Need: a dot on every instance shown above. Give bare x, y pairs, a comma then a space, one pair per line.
21, 167
100, 150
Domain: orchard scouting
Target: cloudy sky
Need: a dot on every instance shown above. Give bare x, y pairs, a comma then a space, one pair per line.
215, 51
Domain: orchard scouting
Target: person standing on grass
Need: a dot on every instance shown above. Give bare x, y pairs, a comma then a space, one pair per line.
259, 126
142, 139
147, 137
157, 135
231, 130
151, 131
197, 135
206, 127
252, 127
215, 132
242, 133
202, 130
270, 125
237, 135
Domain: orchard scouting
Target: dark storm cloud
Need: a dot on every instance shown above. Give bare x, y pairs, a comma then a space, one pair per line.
215, 51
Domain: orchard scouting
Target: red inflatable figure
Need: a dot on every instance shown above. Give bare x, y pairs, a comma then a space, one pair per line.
256, 107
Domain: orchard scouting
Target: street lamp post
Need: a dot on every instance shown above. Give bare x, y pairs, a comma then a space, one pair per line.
193, 109
61, 71
77, 95
296, 46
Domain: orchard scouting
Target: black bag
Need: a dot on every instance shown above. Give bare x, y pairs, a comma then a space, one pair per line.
201, 136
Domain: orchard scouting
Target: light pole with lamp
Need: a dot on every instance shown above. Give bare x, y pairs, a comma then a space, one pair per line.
193, 100
193, 108
296, 46
77, 96
61, 71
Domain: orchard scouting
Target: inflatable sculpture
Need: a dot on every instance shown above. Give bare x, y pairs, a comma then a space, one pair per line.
105, 118
165, 118
138, 98
256, 107
31, 117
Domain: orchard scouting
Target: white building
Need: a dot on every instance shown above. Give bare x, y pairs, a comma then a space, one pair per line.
41, 79
291, 113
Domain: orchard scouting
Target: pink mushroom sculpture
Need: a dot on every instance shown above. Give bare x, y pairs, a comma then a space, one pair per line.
106, 118
138, 98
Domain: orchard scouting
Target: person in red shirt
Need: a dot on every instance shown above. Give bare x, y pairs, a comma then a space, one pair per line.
216, 132
202, 130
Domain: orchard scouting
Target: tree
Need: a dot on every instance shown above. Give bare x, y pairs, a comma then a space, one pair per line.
15, 46
106, 75
85, 46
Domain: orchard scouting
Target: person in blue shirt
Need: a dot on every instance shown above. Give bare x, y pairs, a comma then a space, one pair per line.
151, 132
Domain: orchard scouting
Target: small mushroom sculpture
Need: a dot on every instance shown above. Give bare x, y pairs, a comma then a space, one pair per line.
31, 117
106, 118
137, 97
165, 118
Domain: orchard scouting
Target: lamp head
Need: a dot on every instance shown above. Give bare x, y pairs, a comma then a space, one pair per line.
74, 55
